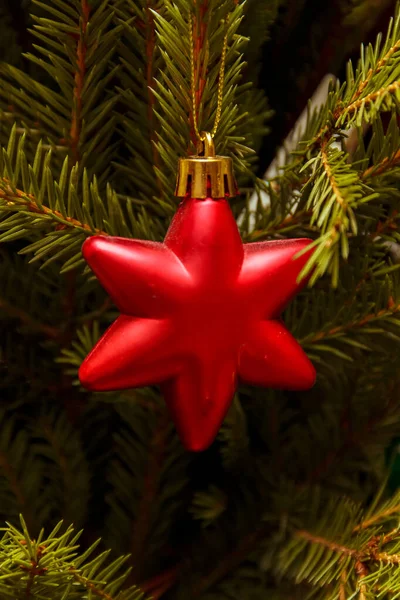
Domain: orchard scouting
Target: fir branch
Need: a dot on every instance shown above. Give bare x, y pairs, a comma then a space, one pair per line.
280, 226
15, 198
231, 561
67, 470
348, 99
78, 59
386, 227
235, 448
9, 473
21, 476
342, 586
95, 315
385, 557
362, 571
368, 91
339, 195
32, 567
387, 164
377, 95
339, 109
208, 506
86, 337
81, 51
199, 56
316, 539
75, 208
352, 439
164, 581
380, 516
143, 502
151, 48
381, 64
365, 557
334, 191
317, 567
381, 315
92, 587
320, 553
140, 61
67, 209
151, 164
34, 571
150, 489
17, 313
260, 18
173, 89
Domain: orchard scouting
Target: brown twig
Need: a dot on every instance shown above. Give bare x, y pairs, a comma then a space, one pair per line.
88, 318
18, 197
351, 439
316, 539
149, 492
163, 582
386, 513
379, 66
326, 131
34, 570
288, 221
331, 177
371, 97
81, 50
17, 313
362, 571
342, 587
199, 43
390, 224
385, 312
360, 556
91, 586
150, 51
159, 592
385, 557
158, 585
380, 168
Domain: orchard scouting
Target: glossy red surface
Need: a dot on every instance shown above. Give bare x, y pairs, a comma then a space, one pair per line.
199, 312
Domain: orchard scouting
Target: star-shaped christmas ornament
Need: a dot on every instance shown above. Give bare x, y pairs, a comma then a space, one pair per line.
199, 313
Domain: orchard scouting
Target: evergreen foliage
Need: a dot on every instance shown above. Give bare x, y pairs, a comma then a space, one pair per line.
49, 567
285, 503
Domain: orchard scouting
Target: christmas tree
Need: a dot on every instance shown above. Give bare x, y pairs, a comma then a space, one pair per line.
298, 495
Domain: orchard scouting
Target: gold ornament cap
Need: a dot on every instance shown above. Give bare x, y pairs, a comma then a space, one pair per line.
206, 175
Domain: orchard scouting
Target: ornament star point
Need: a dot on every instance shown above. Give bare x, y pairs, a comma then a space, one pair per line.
198, 313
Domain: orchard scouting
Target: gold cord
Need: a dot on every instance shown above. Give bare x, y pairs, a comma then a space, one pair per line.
201, 136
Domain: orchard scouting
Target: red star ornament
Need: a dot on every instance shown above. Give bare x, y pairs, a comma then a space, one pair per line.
198, 313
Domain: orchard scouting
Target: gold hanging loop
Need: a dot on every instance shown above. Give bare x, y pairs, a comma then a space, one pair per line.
206, 175
205, 145
220, 93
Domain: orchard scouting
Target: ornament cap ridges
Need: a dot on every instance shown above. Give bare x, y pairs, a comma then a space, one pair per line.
206, 174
